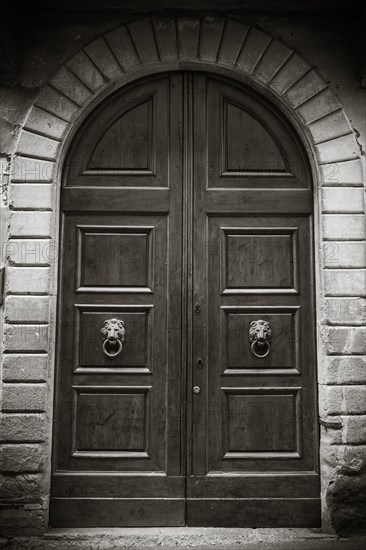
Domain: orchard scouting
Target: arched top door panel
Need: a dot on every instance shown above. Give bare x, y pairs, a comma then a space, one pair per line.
127, 145
257, 147
125, 140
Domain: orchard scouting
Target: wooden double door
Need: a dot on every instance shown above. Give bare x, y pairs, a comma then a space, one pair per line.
185, 379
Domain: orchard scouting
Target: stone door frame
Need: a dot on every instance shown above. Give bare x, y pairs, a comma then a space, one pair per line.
143, 47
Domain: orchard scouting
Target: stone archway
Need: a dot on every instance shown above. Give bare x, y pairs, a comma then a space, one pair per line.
158, 44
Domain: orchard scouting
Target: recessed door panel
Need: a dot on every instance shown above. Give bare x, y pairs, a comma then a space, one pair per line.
127, 144
258, 258
274, 409
111, 421
243, 140
248, 145
137, 340
116, 258
236, 329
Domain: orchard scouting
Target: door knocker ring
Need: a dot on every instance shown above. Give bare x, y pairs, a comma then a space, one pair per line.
260, 334
114, 336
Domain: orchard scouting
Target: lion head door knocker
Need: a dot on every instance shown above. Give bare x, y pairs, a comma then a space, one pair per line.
114, 336
260, 334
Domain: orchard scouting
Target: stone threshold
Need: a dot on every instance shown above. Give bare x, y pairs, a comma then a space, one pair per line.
169, 538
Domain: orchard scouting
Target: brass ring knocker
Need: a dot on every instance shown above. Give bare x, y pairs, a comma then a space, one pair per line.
114, 336
260, 335
112, 343
258, 345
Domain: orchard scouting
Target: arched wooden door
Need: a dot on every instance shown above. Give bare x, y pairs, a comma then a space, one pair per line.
186, 385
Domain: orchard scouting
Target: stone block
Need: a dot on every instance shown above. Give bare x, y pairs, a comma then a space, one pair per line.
24, 397
330, 399
343, 370
103, 58
345, 311
342, 173
231, 43
27, 280
24, 427
329, 127
338, 254
24, 367
255, 45
354, 401
354, 429
22, 458
120, 43
342, 400
210, 37
309, 85
345, 282
338, 149
30, 170
331, 434
54, 102
34, 252
345, 341
19, 520
273, 58
70, 86
346, 500
31, 224
344, 226
21, 488
347, 199
143, 37
24, 337
289, 73
188, 29
45, 123
166, 37
81, 65
25, 196
27, 309
32, 144
319, 106
353, 459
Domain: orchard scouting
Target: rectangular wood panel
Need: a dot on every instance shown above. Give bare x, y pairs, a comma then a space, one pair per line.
111, 420
116, 200
258, 258
285, 330
116, 258
137, 345
274, 410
